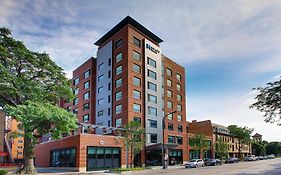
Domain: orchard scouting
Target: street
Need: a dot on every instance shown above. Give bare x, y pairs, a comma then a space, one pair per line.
266, 167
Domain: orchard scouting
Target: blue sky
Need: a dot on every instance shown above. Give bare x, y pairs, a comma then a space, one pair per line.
227, 47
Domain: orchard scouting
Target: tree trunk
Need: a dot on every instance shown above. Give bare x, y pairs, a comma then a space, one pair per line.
28, 165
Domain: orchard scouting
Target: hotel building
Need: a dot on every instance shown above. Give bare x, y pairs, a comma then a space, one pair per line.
130, 80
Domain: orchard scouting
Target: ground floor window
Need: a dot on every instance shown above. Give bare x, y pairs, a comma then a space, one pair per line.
175, 156
154, 157
101, 158
194, 154
63, 157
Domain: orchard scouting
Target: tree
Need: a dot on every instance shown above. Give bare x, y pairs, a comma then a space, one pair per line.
258, 148
243, 136
199, 143
133, 137
31, 86
273, 148
269, 101
221, 148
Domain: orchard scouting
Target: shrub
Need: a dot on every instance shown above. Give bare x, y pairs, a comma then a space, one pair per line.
2, 172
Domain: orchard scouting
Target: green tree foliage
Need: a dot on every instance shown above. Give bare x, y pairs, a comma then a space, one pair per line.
221, 148
199, 143
31, 86
133, 137
242, 134
273, 148
258, 148
268, 101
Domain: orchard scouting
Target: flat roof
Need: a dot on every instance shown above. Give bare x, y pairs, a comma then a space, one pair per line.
124, 22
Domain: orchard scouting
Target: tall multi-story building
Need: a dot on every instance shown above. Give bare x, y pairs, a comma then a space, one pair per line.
131, 80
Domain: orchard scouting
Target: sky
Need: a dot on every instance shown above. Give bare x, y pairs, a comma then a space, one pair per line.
227, 47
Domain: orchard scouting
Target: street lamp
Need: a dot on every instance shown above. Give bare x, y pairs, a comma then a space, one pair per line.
163, 143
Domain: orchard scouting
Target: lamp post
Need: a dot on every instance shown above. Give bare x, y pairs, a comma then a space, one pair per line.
163, 143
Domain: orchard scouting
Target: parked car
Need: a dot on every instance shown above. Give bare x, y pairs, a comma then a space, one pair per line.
250, 158
261, 157
212, 162
232, 160
271, 156
194, 163
265, 157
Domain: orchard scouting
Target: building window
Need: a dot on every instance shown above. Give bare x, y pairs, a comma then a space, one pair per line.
152, 98
137, 94
86, 106
75, 101
152, 86
169, 104
171, 139
109, 62
178, 87
179, 98
136, 81
100, 101
108, 99
108, 111
170, 117
118, 122
179, 108
179, 118
76, 91
169, 83
87, 85
75, 111
170, 127
152, 123
179, 128
118, 70
178, 77
118, 57
179, 140
151, 74
109, 74
66, 157
169, 72
87, 74
100, 89
118, 43
169, 93
136, 42
153, 138
151, 62
137, 108
86, 118
100, 113
137, 120
101, 66
152, 111
136, 68
76, 81
86, 96
109, 86
118, 109
118, 83
20, 141
136, 56
118, 95
100, 78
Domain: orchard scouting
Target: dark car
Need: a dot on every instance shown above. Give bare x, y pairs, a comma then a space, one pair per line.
232, 160
212, 162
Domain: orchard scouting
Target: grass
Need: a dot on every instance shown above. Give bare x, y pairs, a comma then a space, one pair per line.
128, 169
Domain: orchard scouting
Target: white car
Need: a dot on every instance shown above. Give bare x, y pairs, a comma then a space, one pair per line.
250, 158
194, 163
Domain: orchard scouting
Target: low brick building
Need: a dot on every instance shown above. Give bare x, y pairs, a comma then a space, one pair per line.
82, 152
212, 133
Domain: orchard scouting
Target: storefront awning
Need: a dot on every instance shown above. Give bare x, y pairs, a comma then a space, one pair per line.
159, 146
3, 154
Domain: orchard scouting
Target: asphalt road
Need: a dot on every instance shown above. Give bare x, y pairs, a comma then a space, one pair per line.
261, 167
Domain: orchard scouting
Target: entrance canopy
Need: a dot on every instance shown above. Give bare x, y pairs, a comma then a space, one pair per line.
3, 154
159, 146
